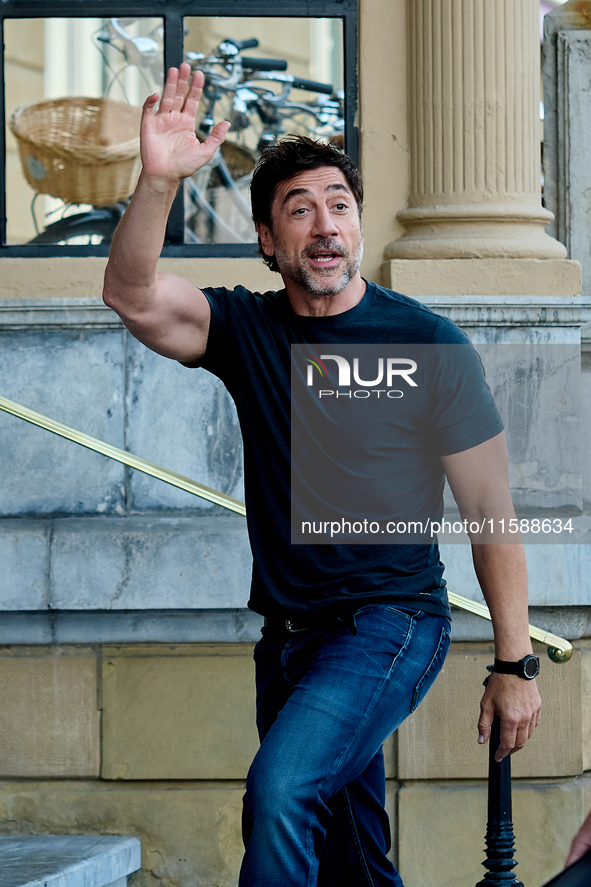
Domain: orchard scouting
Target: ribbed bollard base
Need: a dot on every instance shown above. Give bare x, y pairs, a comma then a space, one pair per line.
499, 860
499, 878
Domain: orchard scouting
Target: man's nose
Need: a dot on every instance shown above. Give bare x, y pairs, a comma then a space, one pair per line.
324, 222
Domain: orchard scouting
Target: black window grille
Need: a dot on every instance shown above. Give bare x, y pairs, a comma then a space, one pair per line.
173, 14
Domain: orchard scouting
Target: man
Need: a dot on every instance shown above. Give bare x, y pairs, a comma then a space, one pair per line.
355, 634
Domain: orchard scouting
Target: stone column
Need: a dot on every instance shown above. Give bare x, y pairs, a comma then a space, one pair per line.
474, 135
567, 128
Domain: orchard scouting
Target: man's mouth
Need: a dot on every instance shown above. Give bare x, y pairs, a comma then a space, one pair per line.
324, 257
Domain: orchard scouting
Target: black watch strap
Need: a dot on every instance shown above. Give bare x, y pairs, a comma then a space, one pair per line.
527, 668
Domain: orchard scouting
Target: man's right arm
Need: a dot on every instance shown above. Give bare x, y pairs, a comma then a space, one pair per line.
164, 311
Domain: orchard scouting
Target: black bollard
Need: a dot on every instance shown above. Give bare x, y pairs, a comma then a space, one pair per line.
500, 840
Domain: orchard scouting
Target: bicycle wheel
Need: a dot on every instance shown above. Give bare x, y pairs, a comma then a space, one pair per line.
92, 227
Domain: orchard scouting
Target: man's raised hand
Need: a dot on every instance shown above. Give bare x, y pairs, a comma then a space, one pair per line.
170, 150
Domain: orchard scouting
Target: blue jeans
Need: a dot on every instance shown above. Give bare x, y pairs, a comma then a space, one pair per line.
326, 701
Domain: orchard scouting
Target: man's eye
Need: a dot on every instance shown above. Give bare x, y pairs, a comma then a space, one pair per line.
341, 206
300, 211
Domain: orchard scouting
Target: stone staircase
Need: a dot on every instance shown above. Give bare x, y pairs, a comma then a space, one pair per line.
68, 860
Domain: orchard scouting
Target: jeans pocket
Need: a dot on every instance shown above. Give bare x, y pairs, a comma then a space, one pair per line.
432, 670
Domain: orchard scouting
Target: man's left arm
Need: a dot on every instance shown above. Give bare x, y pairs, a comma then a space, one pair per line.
479, 480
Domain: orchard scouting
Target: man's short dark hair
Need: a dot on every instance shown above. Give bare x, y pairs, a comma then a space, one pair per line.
293, 154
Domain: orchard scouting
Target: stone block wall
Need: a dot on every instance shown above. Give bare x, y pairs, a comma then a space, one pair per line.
155, 741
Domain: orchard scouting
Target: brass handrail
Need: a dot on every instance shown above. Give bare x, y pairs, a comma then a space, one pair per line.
559, 649
105, 449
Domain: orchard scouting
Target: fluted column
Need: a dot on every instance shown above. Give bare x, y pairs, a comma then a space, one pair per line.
474, 133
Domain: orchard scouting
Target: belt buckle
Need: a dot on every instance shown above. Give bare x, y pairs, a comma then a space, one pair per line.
289, 626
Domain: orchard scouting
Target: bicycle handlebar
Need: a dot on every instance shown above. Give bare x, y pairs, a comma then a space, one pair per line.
312, 85
252, 43
252, 64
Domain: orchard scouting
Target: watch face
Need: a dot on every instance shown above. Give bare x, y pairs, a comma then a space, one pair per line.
531, 666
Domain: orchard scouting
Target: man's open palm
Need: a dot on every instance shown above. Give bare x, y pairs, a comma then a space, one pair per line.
169, 147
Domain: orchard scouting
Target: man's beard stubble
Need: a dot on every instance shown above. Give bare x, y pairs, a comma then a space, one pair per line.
298, 271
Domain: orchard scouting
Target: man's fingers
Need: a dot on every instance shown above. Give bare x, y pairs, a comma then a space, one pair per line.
218, 134
504, 750
150, 102
148, 112
483, 734
524, 731
515, 731
515, 734
213, 141
194, 95
181, 87
182, 92
169, 91
485, 721
533, 725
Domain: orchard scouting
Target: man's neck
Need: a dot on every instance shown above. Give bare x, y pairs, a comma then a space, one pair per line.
308, 305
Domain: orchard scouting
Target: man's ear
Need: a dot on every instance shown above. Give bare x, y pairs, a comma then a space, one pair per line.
266, 238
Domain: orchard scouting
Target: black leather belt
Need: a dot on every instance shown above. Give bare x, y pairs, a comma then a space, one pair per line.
308, 623
291, 626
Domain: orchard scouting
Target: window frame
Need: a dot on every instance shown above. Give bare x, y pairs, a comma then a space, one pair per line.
173, 12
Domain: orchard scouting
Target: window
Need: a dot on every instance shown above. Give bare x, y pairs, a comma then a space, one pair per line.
74, 86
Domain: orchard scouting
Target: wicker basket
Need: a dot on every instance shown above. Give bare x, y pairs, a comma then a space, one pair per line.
84, 150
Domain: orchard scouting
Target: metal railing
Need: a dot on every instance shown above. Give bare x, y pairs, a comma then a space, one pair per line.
559, 649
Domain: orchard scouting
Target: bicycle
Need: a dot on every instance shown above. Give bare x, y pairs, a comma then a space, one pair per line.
237, 87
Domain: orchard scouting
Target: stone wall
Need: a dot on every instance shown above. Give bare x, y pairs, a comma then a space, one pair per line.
155, 740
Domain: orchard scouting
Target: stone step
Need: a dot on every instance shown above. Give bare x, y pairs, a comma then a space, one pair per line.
68, 860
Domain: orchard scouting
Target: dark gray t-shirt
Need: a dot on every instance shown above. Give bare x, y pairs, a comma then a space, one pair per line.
250, 350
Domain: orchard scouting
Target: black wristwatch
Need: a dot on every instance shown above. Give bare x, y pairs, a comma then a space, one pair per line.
527, 668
